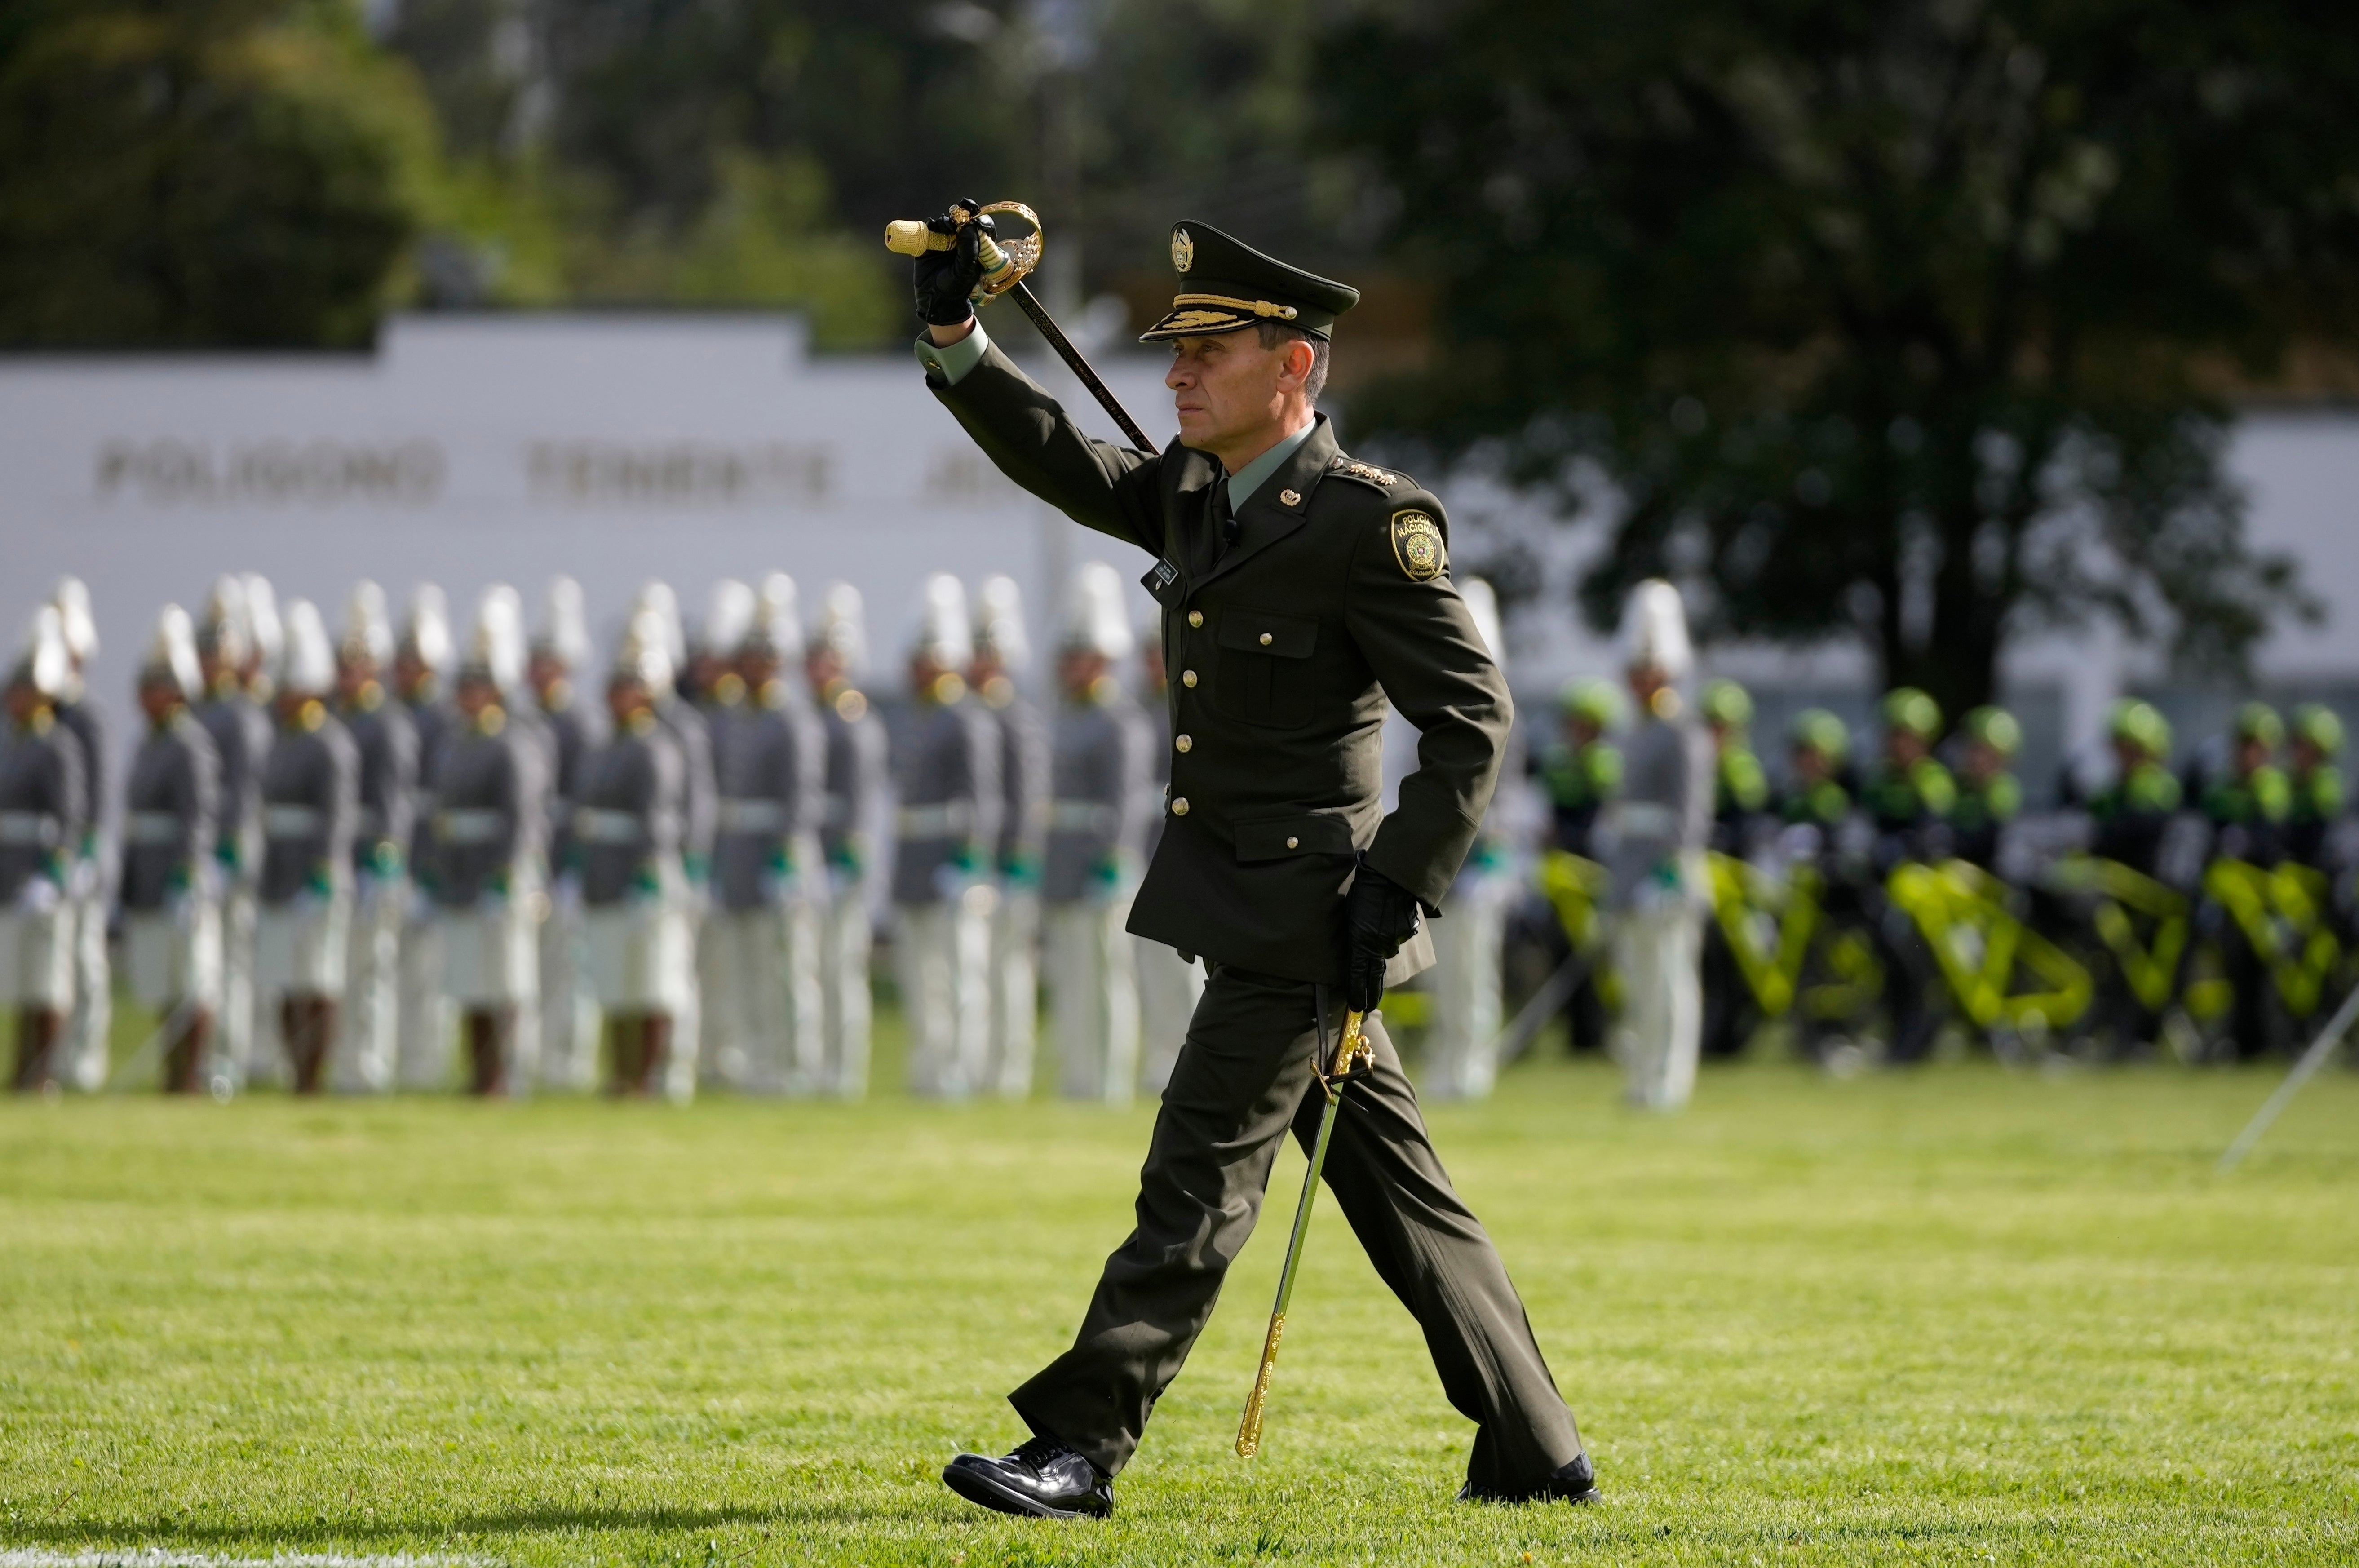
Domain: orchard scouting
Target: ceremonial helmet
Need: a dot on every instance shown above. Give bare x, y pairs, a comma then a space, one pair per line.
1816, 729
221, 630
496, 651
426, 632
46, 664
1096, 619
1654, 630
1912, 712
778, 627
75, 622
564, 633
644, 653
999, 621
172, 655
944, 633
728, 616
843, 624
307, 659
656, 599
1483, 606
368, 627
266, 635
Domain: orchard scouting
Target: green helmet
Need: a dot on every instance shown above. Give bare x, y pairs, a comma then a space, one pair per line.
1911, 711
1727, 704
2259, 722
1821, 732
2319, 724
1599, 702
1995, 728
2142, 724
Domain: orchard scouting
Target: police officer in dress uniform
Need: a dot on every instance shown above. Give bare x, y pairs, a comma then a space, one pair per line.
855, 782
41, 806
1470, 942
629, 823
489, 785
1302, 591
676, 710
422, 668
946, 756
1652, 835
310, 800
569, 1007
170, 884
1101, 801
769, 878
386, 739
87, 1048
1001, 652
240, 729
1171, 983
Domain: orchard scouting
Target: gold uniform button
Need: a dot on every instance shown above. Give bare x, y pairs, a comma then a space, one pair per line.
1264, 640
1195, 617
1185, 743
1293, 842
1179, 807
1187, 678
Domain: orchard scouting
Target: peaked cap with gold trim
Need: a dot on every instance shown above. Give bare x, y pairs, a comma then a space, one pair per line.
1226, 286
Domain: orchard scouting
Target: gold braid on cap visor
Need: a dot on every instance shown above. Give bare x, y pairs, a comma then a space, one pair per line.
1256, 307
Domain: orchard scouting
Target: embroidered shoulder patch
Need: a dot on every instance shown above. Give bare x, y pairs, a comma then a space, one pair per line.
1417, 545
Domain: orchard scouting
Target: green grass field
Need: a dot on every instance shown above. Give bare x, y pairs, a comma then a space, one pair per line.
1959, 1316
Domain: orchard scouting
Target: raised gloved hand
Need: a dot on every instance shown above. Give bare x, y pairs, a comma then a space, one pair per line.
1379, 914
944, 280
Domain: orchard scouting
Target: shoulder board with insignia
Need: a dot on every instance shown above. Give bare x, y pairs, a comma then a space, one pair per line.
1368, 472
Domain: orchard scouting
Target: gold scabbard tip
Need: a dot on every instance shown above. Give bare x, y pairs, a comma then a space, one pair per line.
1249, 1428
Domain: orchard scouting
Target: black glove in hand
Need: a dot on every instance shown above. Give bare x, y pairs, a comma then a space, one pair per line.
1379, 914
944, 279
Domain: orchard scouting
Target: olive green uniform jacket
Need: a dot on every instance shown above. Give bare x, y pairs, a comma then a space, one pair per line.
1282, 650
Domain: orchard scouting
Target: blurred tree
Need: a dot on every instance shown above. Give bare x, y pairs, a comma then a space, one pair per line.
202, 171
1908, 320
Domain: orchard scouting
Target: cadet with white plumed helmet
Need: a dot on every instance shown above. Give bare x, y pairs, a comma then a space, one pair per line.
310, 800
421, 668
768, 876
693, 733
385, 738
946, 787
232, 714
41, 804
717, 695
1002, 651
86, 1048
1103, 798
171, 887
629, 824
1469, 938
559, 659
854, 783
1653, 836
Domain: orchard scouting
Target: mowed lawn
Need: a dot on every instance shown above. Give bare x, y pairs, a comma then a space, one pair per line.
1958, 1316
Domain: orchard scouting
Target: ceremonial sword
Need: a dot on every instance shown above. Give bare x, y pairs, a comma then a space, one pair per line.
1003, 272
1353, 1054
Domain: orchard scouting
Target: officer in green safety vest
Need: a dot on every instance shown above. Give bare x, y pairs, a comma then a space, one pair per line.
1583, 769
2131, 812
1989, 794
1818, 754
2316, 776
1909, 795
2249, 803
1740, 786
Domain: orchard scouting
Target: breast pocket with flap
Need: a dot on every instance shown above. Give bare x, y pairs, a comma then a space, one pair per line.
1264, 673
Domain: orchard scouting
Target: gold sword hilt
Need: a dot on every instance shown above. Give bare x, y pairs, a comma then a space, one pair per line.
1004, 265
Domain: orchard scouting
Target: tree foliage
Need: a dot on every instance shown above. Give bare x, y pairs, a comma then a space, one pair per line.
202, 172
1907, 320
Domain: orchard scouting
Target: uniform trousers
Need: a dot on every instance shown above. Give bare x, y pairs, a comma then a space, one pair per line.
845, 936
89, 1049
243, 1045
1093, 998
173, 953
1168, 989
490, 963
427, 1020
762, 1005
942, 955
1467, 944
1655, 952
570, 1021
37, 953
1243, 1081
1014, 993
370, 1031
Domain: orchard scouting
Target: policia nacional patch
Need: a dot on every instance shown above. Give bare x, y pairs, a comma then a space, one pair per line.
1417, 545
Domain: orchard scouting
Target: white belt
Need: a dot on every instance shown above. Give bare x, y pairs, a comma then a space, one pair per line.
34, 829
157, 827
290, 822
752, 816
1083, 816
952, 819
593, 825
474, 824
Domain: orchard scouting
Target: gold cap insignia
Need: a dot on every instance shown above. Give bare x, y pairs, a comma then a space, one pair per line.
1183, 251
1417, 545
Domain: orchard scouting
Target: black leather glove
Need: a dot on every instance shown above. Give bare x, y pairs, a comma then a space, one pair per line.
1379, 914
944, 279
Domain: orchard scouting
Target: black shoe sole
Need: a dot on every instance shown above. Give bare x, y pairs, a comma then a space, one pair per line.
1578, 1500
980, 1489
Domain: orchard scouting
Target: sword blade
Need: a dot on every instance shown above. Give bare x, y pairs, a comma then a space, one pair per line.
1080, 366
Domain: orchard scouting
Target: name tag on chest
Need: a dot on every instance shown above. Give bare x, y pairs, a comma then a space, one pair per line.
1162, 581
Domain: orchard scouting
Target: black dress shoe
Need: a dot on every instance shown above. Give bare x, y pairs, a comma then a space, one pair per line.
1575, 1482
1043, 1478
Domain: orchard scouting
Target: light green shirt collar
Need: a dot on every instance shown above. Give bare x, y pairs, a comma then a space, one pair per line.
1254, 474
